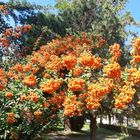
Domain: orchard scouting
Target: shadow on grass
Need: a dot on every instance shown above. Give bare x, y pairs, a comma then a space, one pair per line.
103, 134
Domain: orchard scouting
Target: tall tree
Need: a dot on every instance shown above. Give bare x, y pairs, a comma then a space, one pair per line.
103, 17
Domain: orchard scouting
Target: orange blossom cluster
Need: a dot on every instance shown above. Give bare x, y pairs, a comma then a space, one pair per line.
125, 97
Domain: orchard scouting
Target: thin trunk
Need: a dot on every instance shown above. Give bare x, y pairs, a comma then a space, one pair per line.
109, 119
93, 127
127, 121
101, 119
67, 126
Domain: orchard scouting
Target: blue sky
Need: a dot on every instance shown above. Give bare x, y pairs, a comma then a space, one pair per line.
41, 2
133, 6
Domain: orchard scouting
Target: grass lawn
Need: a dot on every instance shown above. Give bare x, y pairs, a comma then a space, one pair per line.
103, 134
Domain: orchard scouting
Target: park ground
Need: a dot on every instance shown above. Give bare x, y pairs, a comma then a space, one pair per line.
103, 134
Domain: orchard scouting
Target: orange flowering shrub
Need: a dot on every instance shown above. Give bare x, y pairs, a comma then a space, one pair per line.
131, 82
65, 79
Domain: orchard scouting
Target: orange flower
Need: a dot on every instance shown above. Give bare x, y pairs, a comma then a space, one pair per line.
46, 104
10, 74
72, 107
101, 42
11, 117
27, 67
120, 105
76, 84
38, 114
137, 59
33, 96
55, 63
97, 91
136, 46
50, 86
115, 51
8, 32
86, 59
26, 28
134, 77
77, 71
97, 63
101, 88
30, 80
11, 114
125, 97
57, 100
3, 79
69, 61
18, 68
35, 70
92, 103
112, 70
53, 116
9, 95
46, 75
11, 120
23, 98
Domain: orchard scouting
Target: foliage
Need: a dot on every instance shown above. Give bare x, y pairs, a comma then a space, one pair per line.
102, 17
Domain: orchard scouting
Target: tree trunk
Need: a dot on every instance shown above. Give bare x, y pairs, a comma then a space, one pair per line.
101, 119
93, 127
67, 126
109, 119
127, 121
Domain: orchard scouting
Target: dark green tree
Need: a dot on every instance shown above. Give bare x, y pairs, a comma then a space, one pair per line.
102, 17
